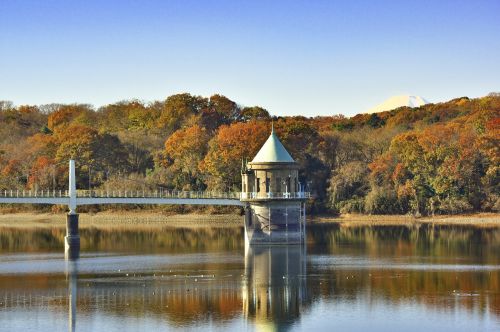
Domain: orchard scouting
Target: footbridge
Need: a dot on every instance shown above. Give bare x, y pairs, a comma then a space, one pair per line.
74, 198
99, 197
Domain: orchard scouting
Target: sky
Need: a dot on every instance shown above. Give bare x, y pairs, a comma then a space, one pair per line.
291, 57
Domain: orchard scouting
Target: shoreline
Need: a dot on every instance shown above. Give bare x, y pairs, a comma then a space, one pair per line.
150, 219
480, 220
121, 219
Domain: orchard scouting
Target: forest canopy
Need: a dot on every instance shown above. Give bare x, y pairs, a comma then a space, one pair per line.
437, 158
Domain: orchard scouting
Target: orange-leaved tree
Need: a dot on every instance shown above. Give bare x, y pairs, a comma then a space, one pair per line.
230, 145
67, 114
184, 150
43, 174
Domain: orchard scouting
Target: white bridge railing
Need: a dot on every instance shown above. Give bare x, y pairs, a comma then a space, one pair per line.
34, 193
119, 194
157, 194
151, 194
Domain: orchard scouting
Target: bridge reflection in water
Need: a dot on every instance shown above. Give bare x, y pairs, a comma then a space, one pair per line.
72, 278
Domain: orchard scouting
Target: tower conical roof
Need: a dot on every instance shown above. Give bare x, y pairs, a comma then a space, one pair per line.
273, 151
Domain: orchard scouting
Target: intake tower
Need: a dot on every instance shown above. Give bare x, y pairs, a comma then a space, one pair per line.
274, 197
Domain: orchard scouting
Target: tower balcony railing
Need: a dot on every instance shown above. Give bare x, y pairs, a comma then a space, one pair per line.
275, 195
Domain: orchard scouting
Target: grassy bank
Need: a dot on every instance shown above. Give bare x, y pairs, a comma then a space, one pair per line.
157, 219
476, 220
121, 219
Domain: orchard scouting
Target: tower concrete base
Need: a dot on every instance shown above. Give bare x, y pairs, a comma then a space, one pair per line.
276, 222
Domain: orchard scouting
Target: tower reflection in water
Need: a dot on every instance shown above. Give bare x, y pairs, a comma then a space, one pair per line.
72, 279
275, 285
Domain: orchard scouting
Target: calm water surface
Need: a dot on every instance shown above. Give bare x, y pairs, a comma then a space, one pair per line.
346, 279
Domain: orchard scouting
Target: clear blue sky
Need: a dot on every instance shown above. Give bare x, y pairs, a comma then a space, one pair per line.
291, 57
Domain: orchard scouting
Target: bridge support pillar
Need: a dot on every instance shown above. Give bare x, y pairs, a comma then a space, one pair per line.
72, 238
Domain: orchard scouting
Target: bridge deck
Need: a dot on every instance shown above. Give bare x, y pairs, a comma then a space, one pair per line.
123, 200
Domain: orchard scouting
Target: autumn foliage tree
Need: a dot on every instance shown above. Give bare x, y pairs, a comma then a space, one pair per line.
184, 151
231, 145
43, 174
438, 169
68, 114
179, 109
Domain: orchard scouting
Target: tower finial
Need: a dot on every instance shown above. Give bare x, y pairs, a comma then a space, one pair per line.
272, 126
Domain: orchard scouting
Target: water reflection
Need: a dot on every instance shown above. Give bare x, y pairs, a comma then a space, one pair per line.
273, 290
275, 285
72, 279
124, 239
196, 279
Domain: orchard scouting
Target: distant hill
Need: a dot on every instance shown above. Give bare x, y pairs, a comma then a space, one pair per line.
398, 101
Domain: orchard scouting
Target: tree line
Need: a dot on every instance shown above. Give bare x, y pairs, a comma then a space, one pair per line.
435, 159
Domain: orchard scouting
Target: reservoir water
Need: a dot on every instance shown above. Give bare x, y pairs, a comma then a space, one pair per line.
385, 278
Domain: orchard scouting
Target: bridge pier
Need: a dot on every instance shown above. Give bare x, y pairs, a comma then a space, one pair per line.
72, 238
